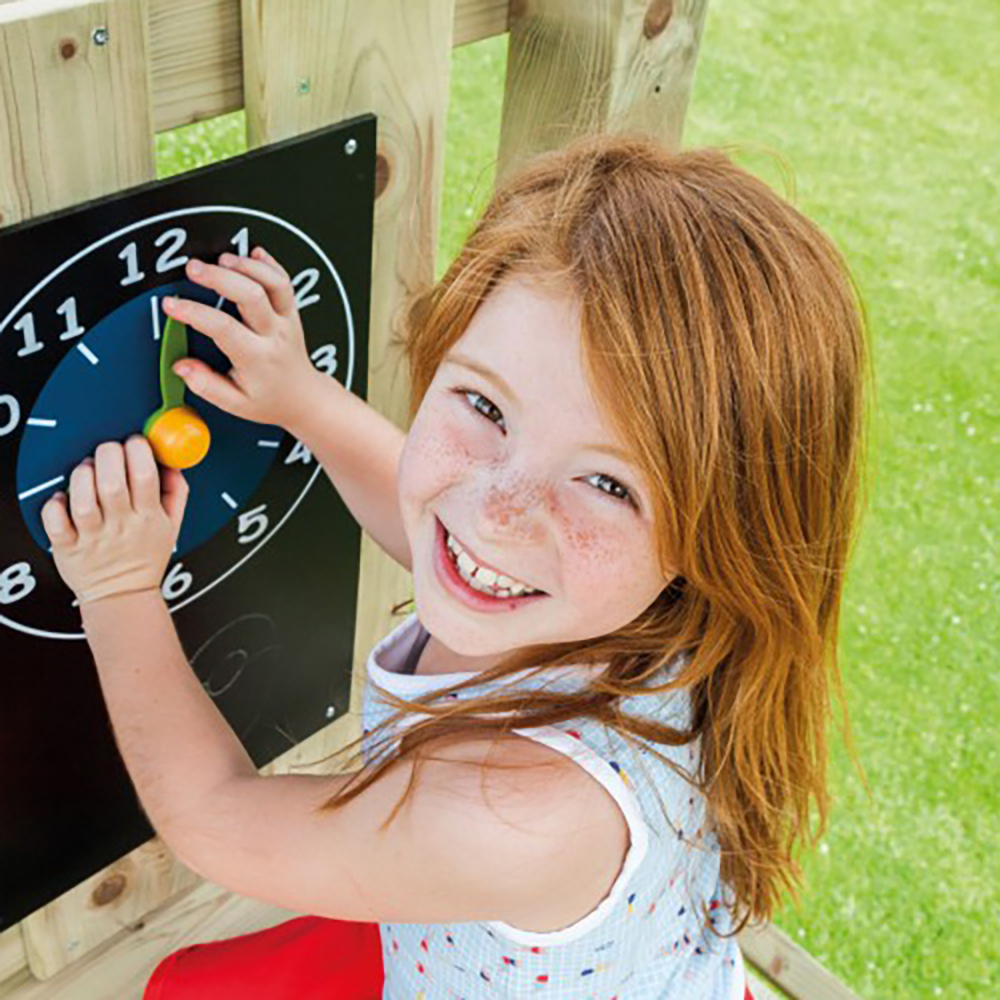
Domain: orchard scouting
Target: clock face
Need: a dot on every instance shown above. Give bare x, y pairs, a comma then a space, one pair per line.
80, 357
263, 585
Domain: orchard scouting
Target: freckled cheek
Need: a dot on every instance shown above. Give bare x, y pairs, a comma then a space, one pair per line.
439, 453
595, 551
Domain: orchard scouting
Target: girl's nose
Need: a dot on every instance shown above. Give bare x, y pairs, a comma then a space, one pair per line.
517, 511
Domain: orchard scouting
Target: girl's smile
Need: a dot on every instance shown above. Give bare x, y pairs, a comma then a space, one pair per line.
510, 452
453, 581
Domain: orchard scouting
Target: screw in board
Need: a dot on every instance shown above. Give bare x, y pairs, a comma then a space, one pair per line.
101, 36
351, 147
330, 711
304, 85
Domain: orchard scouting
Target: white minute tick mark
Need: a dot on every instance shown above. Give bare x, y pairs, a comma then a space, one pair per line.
229, 500
88, 354
40, 489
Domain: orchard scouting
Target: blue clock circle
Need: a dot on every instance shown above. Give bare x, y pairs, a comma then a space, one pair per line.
106, 387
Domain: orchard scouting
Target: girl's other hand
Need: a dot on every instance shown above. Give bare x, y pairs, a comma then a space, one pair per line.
115, 532
271, 368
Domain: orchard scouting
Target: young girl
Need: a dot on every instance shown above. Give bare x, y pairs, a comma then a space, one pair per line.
627, 497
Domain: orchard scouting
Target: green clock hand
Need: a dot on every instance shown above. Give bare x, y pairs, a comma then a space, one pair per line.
173, 347
179, 437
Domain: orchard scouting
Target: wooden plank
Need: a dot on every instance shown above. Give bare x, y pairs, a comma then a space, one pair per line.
309, 63
13, 959
96, 910
760, 988
93, 913
196, 60
74, 125
120, 968
74, 114
575, 68
196, 53
789, 966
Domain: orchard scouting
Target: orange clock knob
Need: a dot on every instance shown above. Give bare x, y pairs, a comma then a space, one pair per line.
179, 437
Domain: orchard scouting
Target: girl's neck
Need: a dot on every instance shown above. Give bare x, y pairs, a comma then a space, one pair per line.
437, 658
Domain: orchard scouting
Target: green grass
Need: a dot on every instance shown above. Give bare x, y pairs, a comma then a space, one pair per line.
887, 117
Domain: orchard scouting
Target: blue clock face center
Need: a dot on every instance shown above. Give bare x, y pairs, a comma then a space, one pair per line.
104, 389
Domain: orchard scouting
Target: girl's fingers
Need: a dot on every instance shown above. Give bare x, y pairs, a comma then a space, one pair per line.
143, 477
219, 390
252, 299
229, 334
275, 282
259, 253
56, 521
112, 481
83, 506
175, 494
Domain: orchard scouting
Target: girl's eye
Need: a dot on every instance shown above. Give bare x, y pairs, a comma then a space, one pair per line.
483, 409
627, 498
488, 408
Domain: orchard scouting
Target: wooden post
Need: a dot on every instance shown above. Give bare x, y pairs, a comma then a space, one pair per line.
75, 120
575, 68
104, 936
74, 103
309, 63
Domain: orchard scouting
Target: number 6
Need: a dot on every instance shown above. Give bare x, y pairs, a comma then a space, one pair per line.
177, 583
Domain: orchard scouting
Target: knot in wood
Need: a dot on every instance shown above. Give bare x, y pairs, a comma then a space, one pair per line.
381, 174
658, 15
68, 48
109, 890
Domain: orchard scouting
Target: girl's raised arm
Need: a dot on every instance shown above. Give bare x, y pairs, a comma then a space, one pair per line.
273, 381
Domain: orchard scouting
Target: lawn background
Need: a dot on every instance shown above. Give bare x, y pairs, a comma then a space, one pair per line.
886, 118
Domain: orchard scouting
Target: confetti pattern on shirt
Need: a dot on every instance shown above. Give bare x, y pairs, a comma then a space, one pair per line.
644, 941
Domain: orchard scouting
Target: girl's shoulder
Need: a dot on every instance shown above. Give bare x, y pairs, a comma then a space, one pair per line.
550, 836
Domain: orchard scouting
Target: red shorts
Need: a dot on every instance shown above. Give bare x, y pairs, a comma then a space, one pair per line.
307, 958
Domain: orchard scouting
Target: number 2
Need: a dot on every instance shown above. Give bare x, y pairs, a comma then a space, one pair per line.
169, 259
303, 284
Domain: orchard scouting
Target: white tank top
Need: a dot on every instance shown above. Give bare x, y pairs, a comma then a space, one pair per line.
644, 940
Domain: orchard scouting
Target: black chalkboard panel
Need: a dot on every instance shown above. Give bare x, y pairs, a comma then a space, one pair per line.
263, 586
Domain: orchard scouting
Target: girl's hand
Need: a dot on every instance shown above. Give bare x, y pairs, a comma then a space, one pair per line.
270, 362
115, 533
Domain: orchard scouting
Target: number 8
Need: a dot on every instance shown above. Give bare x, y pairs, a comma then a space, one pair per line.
16, 582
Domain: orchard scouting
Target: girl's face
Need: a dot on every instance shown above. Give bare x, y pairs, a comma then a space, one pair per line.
507, 453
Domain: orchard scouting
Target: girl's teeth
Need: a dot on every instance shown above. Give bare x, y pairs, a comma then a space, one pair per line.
482, 579
467, 564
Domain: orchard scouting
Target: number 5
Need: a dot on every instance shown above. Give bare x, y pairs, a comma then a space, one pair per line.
252, 525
